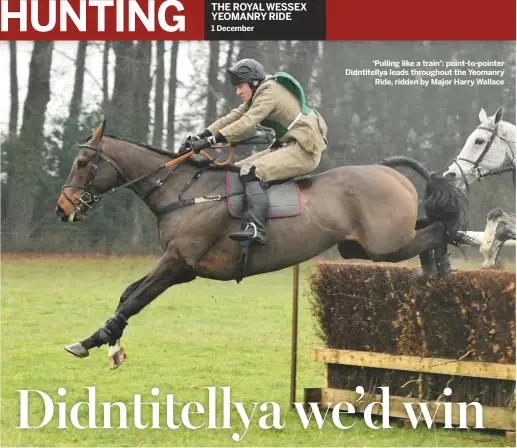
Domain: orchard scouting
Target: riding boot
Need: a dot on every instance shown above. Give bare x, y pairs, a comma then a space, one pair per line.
257, 202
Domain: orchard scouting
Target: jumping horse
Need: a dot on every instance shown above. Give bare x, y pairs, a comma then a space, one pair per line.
368, 211
488, 151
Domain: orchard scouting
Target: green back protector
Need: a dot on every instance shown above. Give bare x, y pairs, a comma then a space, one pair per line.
291, 84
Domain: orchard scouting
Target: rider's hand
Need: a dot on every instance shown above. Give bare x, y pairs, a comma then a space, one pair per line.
187, 144
204, 143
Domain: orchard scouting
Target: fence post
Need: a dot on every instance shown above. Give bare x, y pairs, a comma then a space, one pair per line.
294, 337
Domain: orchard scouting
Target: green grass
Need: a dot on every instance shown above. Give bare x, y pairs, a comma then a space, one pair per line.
201, 334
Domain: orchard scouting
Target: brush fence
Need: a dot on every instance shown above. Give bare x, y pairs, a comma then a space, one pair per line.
384, 326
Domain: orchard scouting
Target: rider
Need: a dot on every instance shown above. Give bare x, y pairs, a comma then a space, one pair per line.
300, 139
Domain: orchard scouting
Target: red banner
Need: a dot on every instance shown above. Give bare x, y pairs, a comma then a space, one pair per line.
252, 20
102, 20
417, 20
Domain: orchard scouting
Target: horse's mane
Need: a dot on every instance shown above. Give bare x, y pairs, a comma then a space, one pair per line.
207, 164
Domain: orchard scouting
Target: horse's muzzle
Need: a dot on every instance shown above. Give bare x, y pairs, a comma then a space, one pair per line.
61, 213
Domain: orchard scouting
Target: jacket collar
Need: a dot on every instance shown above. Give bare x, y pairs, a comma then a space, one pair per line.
267, 78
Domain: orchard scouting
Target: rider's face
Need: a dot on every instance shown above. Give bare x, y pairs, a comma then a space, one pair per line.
243, 90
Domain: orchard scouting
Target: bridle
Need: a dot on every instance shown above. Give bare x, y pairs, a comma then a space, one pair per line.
475, 164
87, 198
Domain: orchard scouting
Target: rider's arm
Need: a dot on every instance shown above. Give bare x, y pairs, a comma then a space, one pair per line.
263, 104
234, 115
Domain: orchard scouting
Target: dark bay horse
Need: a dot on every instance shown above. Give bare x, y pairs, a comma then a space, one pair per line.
369, 211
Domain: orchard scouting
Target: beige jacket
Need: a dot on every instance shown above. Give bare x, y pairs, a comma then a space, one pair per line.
274, 102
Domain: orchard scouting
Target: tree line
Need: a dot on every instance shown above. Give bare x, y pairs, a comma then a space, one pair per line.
140, 102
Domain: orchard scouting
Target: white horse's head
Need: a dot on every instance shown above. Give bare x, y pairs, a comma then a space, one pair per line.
488, 149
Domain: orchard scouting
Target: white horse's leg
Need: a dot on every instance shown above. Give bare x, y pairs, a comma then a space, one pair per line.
500, 227
487, 242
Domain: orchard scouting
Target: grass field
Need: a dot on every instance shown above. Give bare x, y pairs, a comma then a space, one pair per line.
201, 334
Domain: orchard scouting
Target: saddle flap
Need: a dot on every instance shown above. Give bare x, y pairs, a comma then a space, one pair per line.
284, 199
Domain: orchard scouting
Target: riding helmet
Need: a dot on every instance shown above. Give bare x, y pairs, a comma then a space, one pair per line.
246, 70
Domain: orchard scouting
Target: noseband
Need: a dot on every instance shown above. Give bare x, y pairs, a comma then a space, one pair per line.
475, 164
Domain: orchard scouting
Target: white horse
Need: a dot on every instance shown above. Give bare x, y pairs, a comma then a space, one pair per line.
488, 151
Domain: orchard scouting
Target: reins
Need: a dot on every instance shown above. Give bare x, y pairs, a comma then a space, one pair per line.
86, 199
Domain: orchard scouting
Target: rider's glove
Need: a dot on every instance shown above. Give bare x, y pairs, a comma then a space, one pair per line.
204, 143
187, 144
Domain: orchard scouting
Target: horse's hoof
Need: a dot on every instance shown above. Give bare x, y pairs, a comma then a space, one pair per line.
423, 274
77, 350
116, 356
490, 264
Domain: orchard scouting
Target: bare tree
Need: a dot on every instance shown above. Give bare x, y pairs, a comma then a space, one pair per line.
171, 110
13, 113
159, 94
272, 56
105, 74
26, 160
213, 83
300, 65
120, 110
250, 49
227, 89
142, 88
72, 122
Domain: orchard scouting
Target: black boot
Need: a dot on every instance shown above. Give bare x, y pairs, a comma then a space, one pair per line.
257, 202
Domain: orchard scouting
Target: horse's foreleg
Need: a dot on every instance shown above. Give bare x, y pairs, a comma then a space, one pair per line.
168, 272
500, 227
116, 353
502, 234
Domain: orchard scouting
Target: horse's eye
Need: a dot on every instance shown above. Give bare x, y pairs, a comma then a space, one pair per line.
479, 141
81, 163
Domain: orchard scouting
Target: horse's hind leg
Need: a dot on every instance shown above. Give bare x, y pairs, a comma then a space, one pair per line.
436, 259
429, 237
427, 260
351, 249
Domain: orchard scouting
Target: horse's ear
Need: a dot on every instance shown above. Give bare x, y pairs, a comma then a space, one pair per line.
499, 115
482, 115
99, 132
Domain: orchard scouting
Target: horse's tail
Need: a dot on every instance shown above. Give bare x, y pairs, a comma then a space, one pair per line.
442, 200
407, 162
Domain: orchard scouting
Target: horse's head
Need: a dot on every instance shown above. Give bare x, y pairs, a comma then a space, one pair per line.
91, 175
484, 152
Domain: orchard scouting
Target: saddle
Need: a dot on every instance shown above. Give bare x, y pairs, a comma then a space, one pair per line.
284, 197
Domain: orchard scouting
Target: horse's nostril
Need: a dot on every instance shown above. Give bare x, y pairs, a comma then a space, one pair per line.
59, 210
450, 175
